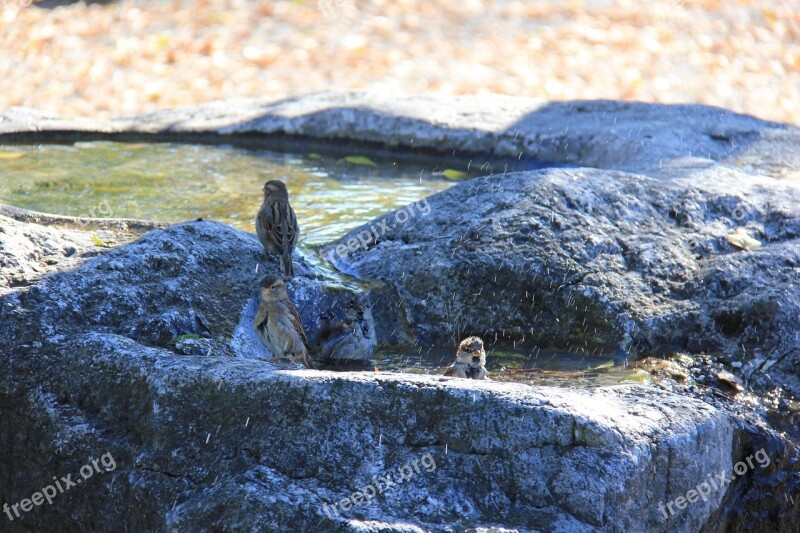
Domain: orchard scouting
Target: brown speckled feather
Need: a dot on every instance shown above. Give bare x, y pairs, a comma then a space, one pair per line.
261, 315
297, 322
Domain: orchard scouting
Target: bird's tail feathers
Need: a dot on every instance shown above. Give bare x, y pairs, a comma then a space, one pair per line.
286, 262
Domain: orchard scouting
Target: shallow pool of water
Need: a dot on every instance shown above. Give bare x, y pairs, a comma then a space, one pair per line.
176, 182
558, 369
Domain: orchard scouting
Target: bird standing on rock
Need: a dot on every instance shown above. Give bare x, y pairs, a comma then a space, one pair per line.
278, 323
470, 360
276, 224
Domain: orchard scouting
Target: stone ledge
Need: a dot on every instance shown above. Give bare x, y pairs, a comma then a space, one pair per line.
603, 133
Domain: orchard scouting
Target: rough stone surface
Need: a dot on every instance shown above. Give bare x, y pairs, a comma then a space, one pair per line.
205, 441
183, 288
603, 134
144, 350
27, 254
596, 260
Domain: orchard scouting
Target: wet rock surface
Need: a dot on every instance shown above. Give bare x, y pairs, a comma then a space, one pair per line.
144, 350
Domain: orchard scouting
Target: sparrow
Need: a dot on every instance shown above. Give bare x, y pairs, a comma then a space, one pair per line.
278, 323
276, 224
470, 360
351, 338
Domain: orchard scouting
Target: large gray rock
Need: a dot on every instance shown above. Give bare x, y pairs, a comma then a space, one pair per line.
215, 439
592, 260
163, 289
205, 443
598, 261
29, 252
201, 442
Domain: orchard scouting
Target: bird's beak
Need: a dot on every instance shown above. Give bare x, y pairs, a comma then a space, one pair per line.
265, 292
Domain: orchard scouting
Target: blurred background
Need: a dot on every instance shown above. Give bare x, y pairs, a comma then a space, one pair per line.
109, 59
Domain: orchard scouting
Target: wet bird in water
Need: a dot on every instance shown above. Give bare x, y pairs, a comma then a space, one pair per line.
278, 323
470, 360
351, 338
276, 224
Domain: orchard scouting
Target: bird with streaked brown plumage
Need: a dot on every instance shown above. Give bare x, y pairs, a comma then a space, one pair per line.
276, 224
278, 324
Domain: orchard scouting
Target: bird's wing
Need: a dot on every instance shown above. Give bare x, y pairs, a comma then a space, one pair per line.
261, 315
288, 233
269, 221
455, 372
292, 230
279, 223
297, 322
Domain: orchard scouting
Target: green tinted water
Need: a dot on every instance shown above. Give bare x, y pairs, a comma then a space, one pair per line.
176, 182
